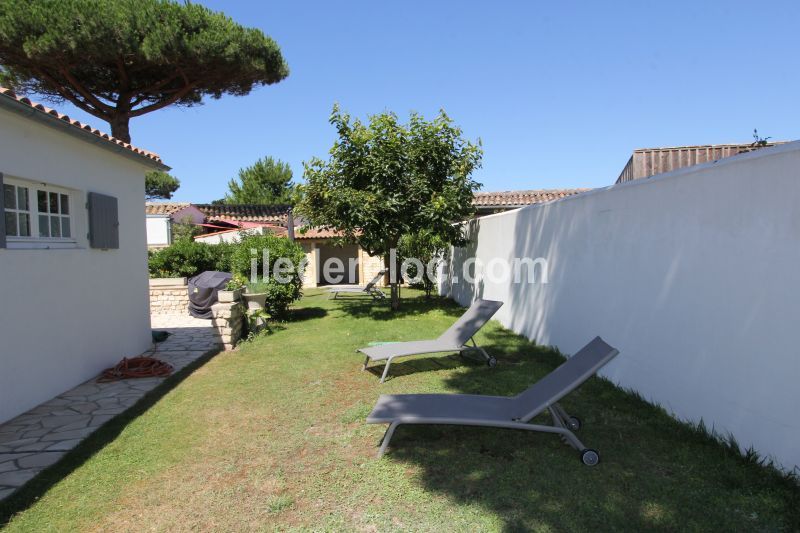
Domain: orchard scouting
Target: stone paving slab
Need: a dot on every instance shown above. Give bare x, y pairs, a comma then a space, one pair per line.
38, 438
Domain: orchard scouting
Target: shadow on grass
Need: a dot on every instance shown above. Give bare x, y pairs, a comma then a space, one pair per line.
34, 489
380, 310
420, 364
306, 313
655, 472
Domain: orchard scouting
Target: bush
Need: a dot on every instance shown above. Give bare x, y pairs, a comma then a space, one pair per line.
280, 293
426, 247
223, 251
187, 258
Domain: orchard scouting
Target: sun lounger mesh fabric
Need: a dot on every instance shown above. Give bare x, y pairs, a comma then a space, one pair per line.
564, 379
470, 322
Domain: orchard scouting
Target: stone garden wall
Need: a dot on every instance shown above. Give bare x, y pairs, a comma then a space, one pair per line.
168, 296
229, 322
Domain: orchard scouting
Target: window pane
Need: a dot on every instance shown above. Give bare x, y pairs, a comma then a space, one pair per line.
11, 224
53, 202
9, 200
24, 225
44, 226
65, 227
55, 227
64, 204
42, 201
22, 199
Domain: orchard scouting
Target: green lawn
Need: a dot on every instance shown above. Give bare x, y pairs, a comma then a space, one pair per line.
272, 436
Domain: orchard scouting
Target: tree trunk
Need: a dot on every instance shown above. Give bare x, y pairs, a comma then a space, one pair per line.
394, 284
119, 127
395, 296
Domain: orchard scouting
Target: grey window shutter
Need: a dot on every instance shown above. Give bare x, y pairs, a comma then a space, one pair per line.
103, 221
2, 218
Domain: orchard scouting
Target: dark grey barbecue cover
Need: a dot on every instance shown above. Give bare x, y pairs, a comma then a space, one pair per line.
203, 292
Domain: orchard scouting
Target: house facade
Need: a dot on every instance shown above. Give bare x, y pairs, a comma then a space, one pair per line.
322, 245
74, 289
160, 218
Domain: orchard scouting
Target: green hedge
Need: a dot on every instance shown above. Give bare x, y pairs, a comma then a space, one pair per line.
187, 258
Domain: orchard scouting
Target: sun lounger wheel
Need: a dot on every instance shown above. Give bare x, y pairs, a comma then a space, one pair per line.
492, 361
590, 457
574, 423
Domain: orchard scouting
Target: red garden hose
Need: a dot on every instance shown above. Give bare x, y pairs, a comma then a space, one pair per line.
136, 367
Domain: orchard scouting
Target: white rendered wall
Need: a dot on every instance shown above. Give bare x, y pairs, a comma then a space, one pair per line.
693, 275
158, 230
67, 314
230, 236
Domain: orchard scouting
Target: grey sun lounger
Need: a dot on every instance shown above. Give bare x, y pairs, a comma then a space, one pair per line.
455, 339
369, 289
512, 412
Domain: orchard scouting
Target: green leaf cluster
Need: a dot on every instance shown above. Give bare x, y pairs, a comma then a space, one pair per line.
187, 258
160, 185
279, 295
118, 59
267, 182
385, 179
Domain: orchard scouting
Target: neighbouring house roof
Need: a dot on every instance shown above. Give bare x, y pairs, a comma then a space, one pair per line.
277, 230
164, 208
10, 100
245, 213
646, 162
317, 233
515, 199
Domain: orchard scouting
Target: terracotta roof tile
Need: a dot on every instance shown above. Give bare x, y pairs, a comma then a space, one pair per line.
245, 213
513, 199
80, 125
164, 208
317, 233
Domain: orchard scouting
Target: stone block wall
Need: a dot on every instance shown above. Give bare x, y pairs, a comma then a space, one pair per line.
169, 296
229, 321
370, 266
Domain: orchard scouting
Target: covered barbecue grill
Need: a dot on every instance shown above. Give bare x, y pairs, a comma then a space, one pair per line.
203, 292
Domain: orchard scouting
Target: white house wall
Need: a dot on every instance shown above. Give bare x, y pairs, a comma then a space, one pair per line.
67, 314
158, 231
693, 275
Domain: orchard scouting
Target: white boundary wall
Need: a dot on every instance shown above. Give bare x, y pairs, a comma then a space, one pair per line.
694, 275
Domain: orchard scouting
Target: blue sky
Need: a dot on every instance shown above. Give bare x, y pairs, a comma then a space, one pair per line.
559, 92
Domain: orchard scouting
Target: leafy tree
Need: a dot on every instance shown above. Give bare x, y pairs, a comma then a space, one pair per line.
429, 249
267, 182
119, 59
160, 185
385, 180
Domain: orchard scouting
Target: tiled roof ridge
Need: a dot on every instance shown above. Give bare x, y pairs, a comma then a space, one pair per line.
80, 125
522, 197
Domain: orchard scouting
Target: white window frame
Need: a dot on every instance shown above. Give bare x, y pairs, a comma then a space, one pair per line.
35, 241
17, 211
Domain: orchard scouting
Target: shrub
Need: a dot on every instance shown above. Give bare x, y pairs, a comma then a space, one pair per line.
280, 293
187, 258
223, 252
426, 247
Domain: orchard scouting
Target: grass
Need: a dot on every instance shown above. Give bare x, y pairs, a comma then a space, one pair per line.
272, 436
